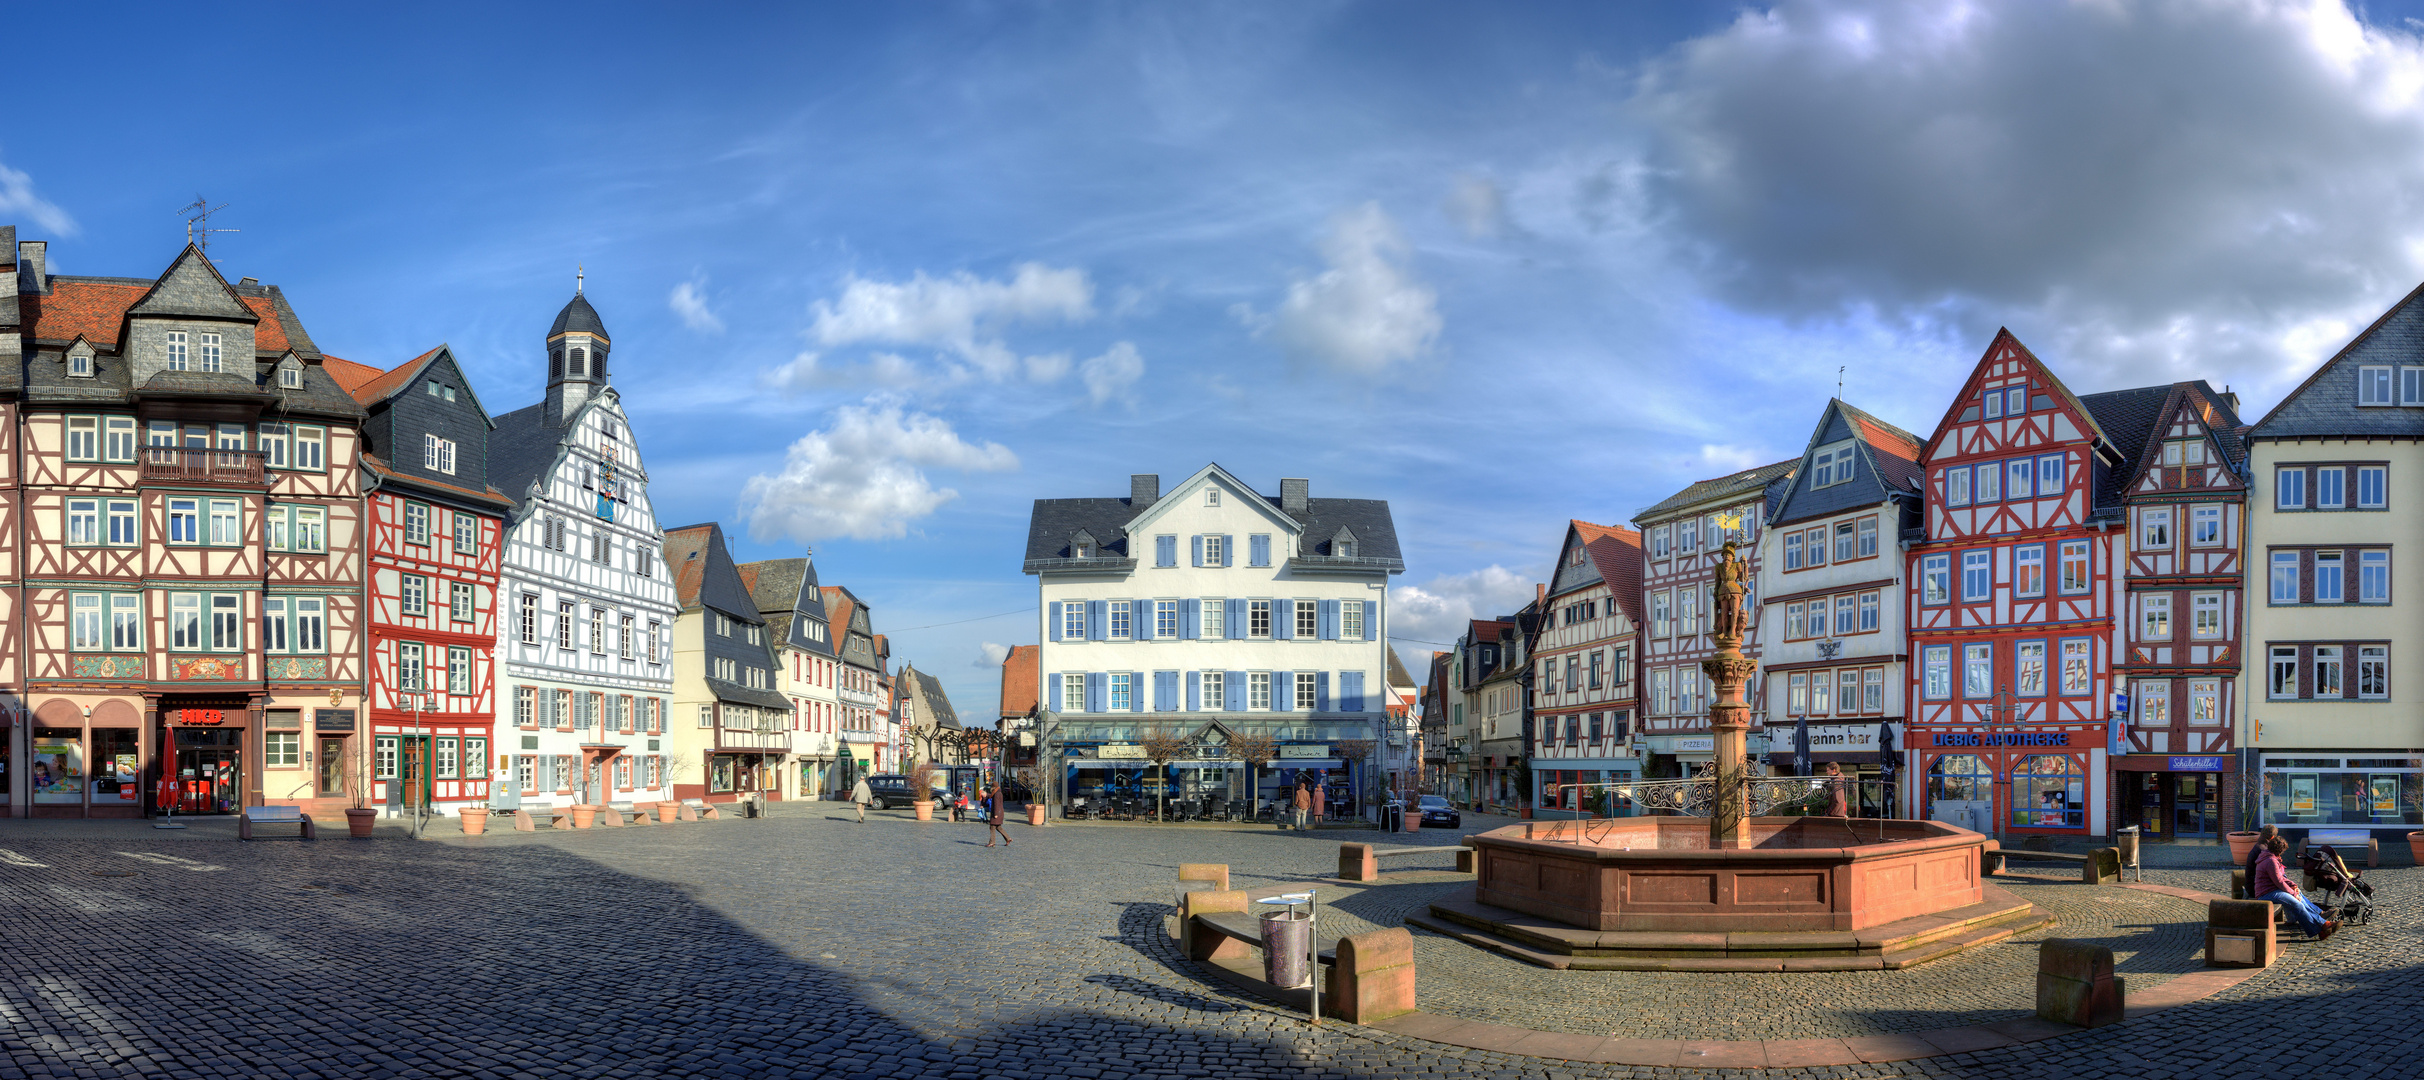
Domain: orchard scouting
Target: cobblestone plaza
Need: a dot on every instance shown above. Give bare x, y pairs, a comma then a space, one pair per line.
807, 944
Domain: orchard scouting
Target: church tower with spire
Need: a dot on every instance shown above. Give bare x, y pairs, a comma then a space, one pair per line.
576, 356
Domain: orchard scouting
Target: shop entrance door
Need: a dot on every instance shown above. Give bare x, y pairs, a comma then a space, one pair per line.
210, 766
412, 772
331, 767
2196, 804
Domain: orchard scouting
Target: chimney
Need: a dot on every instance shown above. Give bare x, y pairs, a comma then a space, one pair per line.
1143, 489
30, 275
250, 283
1293, 495
2230, 399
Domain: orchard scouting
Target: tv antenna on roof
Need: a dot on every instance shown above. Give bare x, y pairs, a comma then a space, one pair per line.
197, 227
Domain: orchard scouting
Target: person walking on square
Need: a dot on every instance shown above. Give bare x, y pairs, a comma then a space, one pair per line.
1838, 804
1321, 801
1303, 805
2271, 882
993, 814
860, 796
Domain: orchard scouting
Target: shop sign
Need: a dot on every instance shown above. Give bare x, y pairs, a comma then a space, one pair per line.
1837, 738
2000, 738
2197, 764
201, 716
1307, 750
1701, 744
1129, 751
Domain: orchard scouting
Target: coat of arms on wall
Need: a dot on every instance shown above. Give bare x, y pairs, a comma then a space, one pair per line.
296, 667
206, 667
106, 667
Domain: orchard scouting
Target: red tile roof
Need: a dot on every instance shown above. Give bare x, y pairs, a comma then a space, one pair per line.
1020, 677
682, 550
349, 375
385, 384
382, 468
97, 310
1617, 554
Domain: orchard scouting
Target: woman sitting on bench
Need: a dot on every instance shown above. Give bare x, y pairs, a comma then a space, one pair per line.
2271, 882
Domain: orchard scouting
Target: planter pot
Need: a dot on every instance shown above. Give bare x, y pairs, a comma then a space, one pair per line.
1035, 814
2243, 844
2415, 847
1527, 813
666, 811
359, 820
925, 810
474, 821
584, 816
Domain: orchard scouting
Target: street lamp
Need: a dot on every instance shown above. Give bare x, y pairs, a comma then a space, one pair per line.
2002, 718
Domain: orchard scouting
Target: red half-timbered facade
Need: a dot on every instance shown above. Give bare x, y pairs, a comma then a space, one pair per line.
2012, 601
184, 481
436, 553
2181, 627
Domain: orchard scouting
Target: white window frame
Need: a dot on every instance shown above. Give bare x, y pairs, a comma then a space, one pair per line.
2205, 616
2374, 388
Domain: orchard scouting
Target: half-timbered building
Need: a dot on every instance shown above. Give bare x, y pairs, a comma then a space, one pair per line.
806, 670
1831, 583
861, 686
1587, 651
436, 532
732, 726
2179, 655
588, 606
184, 481
1684, 536
2018, 581
2332, 729
1491, 683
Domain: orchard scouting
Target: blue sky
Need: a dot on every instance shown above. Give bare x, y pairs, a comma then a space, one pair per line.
879, 275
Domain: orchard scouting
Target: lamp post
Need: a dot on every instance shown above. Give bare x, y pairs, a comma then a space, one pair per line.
2002, 718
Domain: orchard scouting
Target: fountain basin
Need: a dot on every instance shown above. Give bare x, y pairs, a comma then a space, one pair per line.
1658, 874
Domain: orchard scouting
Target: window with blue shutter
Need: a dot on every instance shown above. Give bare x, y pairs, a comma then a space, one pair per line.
1234, 689
1098, 621
1165, 551
1053, 623
1283, 691
1098, 691
1235, 618
1190, 619
1165, 691
1350, 691
1283, 620
1329, 620
1136, 692
1371, 620
1228, 551
1056, 690
1258, 549
1195, 691
1321, 691
1199, 549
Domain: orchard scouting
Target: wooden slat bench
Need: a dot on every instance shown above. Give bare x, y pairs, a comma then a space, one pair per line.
276, 815
1361, 862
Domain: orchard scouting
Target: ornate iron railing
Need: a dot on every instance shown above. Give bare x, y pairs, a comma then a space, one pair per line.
1692, 797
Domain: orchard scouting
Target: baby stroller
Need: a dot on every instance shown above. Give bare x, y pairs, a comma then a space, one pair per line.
2341, 893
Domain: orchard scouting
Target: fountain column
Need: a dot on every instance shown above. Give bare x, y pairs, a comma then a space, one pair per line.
1729, 715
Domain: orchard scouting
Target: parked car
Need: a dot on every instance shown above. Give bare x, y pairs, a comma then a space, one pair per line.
1437, 813
890, 790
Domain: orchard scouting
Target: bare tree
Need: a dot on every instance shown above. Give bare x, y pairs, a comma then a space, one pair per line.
1255, 749
1163, 745
1360, 750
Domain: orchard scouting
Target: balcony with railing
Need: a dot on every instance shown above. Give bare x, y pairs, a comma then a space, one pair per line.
202, 465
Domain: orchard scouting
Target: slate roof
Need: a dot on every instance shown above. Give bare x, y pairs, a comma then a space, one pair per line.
1054, 520
1021, 674
744, 695
786, 592
938, 704
2128, 419
521, 449
1895, 452
1397, 670
1728, 486
578, 318
2325, 405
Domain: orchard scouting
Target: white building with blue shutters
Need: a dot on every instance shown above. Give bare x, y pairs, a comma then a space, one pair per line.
1207, 613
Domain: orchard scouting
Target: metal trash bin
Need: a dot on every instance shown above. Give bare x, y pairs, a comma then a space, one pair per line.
1287, 949
2126, 838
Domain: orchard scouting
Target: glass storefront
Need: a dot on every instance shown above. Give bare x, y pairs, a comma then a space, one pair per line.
2343, 791
57, 766
2049, 791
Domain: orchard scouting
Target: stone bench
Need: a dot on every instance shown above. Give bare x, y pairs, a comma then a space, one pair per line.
276, 815
2076, 984
2102, 867
1361, 862
697, 810
2240, 933
2343, 838
1199, 877
1365, 979
2238, 891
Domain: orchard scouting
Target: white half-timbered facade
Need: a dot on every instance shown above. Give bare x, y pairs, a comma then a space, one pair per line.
588, 605
1588, 654
1683, 539
806, 670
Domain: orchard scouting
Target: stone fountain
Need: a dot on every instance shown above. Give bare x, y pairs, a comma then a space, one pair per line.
1731, 891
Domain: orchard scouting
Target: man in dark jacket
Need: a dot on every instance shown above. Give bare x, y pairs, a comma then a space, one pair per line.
2271, 882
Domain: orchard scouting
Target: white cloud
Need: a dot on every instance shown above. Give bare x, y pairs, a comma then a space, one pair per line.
689, 300
1475, 204
963, 316
1719, 460
863, 475
990, 655
1437, 611
2156, 188
1365, 312
1114, 373
17, 199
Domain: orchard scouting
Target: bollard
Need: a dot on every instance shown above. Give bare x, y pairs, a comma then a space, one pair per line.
2076, 984
2103, 867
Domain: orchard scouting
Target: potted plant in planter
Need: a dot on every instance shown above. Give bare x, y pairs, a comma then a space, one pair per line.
921, 782
2414, 792
669, 808
2243, 842
474, 818
360, 817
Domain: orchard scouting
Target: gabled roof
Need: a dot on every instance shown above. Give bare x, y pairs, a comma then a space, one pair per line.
704, 574
96, 308
387, 383
1895, 452
2005, 339
938, 703
1020, 677
193, 288
1397, 670
1887, 459
786, 592
2152, 424
1729, 486
348, 375
2325, 405
387, 474
2129, 419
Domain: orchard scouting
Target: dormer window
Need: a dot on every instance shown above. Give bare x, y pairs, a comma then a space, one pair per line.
290, 377
80, 364
1344, 549
176, 350
210, 352
1211, 496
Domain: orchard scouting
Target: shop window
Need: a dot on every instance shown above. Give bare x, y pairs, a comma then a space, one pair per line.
2049, 792
1959, 778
